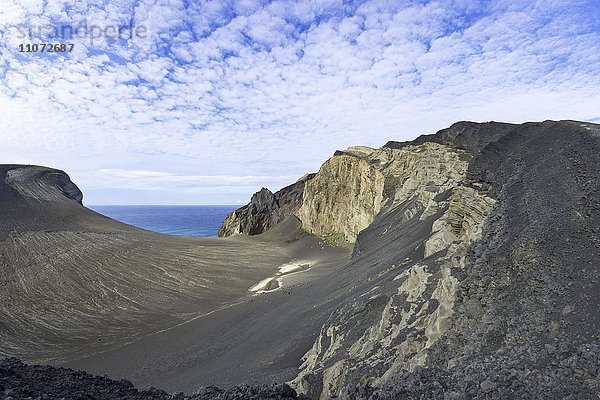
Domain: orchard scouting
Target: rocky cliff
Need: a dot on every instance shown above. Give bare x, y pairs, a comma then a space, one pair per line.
352, 187
343, 198
477, 248
496, 300
426, 187
265, 210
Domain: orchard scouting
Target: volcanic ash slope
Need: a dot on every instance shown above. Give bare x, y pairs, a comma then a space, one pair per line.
475, 265
75, 283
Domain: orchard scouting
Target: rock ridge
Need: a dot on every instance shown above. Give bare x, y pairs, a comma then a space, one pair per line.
265, 210
40, 183
337, 206
473, 291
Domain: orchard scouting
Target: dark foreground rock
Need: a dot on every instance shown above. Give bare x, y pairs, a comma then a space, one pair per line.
21, 381
556, 380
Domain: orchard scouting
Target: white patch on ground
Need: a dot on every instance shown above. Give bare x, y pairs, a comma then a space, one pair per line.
276, 282
262, 285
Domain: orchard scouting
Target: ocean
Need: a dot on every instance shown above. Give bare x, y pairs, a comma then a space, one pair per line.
199, 221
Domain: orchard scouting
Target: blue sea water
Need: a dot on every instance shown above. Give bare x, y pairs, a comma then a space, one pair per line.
199, 221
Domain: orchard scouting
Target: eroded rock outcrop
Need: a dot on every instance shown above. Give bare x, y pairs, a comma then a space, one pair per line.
26, 191
353, 186
417, 172
462, 223
258, 216
343, 198
484, 290
41, 183
265, 210
392, 327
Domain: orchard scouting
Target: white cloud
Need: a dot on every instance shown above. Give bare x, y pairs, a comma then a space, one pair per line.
153, 180
226, 91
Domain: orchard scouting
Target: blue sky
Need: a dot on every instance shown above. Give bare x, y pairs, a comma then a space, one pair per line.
223, 97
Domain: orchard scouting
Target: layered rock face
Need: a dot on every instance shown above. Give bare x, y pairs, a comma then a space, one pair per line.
40, 187
417, 172
476, 248
392, 326
352, 187
491, 290
41, 183
343, 198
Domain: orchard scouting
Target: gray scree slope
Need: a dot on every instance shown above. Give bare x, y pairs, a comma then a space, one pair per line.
483, 282
474, 274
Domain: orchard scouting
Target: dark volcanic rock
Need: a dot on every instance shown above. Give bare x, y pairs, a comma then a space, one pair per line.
538, 314
463, 135
262, 212
22, 381
265, 210
44, 182
471, 381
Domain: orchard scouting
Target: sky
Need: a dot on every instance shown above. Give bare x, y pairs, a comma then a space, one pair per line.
205, 102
